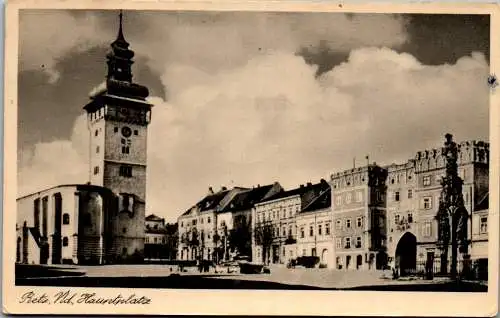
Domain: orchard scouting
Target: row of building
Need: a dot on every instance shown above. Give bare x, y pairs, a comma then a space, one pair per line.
368, 217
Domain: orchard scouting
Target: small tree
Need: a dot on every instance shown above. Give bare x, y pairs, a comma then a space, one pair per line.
263, 235
240, 237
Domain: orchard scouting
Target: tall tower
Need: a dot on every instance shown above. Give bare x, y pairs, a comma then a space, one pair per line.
118, 116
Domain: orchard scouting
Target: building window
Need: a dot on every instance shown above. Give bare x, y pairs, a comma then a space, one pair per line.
347, 243
311, 231
427, 181
359, 221
97, 149
359, 196
358, 242
410, 217
65, 218
348, 198
396, 219
126, 171
182, 224
124, 230
125, 149
284, 231
427, 229
116, 129
348, 223
136, 132
410, 193
302, 234
483, 227
208, 220
338, 243
194, 222
427, 203
96, 170
327, 228
338, 200
396, 196
201, 220
338, 224
65, 241
319, 230
96, 132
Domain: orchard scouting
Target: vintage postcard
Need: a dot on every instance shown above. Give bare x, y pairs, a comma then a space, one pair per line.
251, 158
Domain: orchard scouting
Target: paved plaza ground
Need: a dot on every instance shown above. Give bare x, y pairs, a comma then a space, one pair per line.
167, 276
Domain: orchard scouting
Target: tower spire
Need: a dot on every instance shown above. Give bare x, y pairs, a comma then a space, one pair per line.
120, 30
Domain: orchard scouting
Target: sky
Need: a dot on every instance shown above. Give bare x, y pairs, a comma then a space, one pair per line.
248, 98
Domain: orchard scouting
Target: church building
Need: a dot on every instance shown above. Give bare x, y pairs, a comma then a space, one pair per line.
100, 222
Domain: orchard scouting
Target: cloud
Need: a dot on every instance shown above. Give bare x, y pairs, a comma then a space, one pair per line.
42, 42
205, 40
236, 115
54, 163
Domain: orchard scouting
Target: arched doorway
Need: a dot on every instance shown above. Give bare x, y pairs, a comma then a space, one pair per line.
406, 254
324, 257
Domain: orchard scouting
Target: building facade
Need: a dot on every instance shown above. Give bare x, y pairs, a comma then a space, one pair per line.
66, 224
103, 221
359, 216
414, 191
206, 229
275, 223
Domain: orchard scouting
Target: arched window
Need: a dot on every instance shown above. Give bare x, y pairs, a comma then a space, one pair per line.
65, 218
65, 241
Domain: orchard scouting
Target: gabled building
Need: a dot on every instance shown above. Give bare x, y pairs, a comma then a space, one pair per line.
315, 226
199, 233
235, 220
274, 223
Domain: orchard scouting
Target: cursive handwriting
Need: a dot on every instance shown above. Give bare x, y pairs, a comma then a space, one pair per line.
70, 297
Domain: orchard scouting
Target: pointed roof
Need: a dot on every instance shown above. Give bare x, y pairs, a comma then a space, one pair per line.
247, 199
153, 217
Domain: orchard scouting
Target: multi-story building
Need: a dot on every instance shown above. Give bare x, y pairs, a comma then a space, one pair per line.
235, 220
199, 231
103, 221
275, 225
156, 237
359, 217
315, 229
415, 190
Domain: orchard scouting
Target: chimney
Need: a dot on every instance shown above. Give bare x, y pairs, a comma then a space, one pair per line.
309, 184
210, 190
301, 186
223, 188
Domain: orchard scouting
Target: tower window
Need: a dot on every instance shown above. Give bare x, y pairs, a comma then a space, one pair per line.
97, 149
65, 241
65, 218
96, 132
125, 149
96, 170
126, 171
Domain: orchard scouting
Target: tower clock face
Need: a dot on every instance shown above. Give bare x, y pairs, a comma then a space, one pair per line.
126, 132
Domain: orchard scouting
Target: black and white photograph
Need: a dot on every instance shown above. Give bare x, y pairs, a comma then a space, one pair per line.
229, 150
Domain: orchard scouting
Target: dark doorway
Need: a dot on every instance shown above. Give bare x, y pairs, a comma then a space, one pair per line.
406, 254
359, 261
